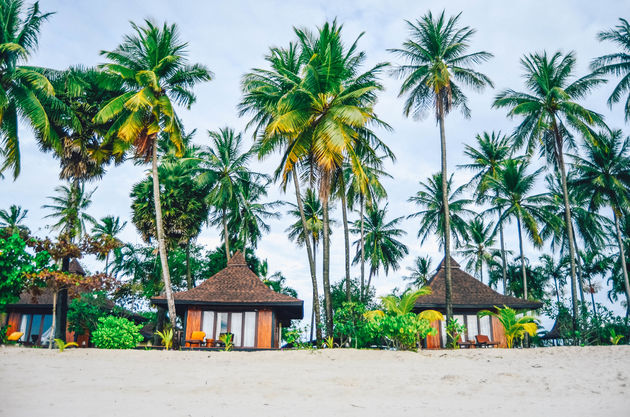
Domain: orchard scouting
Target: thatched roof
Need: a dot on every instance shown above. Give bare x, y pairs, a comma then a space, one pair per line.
468, 293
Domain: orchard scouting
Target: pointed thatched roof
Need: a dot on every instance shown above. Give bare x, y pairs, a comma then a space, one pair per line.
236, 285
468, 293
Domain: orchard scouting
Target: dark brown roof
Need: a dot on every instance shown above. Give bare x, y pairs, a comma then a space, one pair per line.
236, 284
76, 268
468, 293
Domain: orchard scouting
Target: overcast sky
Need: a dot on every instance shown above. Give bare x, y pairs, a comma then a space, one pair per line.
233, 37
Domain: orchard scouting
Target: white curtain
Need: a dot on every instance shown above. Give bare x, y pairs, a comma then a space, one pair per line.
485, 328
472, 326
207, 323
235, 328
222, 324
249, 337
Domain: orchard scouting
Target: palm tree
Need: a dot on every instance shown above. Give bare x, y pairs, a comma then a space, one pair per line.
383, 249
22, 88
12, 219
108, 230
514, 186
436, 62
432, 216
419, 272
69, 208
555, 270
227, 174
155, 73
515, 327
617, 64
477, 248
604, 174
549, 109
491, 151
596, 264
399, 306
321, 116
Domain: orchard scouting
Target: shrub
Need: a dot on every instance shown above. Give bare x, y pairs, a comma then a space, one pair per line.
116, 333
404, 331
454, 330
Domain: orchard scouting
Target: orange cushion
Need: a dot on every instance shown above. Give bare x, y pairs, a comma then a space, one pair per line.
15, 336
198, 335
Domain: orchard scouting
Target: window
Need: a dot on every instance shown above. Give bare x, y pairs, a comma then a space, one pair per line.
236, 327
241, 324
249, 332
34, 326
472, 327
207, 323
222, 324
484, 327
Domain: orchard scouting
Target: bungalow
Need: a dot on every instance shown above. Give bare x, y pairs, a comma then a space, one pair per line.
469, 296
236, 301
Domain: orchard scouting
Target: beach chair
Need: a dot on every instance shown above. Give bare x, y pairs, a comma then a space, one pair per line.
484, 341
196, 338
464, 345
15, 337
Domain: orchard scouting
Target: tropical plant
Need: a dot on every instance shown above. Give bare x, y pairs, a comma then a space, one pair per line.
454, 331
515, 327
11, 220
432, 213
403, 304
555, 270
62, 345
419, 272
116, 333
383, 249
22, 88
403, 331
107, 230
166, 337
614, 337
84, 312
550, 109
436, 62
617, 64
226, 338
69, 208
604, 175
155, 73
477, 248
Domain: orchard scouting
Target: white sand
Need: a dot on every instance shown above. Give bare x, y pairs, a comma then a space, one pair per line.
592, 381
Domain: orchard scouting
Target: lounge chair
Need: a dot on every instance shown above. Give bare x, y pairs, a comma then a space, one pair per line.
484, 341
196, 338
15, 337
464, 345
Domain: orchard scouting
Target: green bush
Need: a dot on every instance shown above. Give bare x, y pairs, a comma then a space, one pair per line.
403, 331
116, 333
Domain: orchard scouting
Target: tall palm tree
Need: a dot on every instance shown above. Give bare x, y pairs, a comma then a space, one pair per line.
22, 88
555, 270
226, 172
108, 229
617, 64
436, 62
69, 209
514, 186
550, 109
491, 151
155, 73
596, 264
12, 219
604, 174
432, 214
419, 272
383, 249
477, 248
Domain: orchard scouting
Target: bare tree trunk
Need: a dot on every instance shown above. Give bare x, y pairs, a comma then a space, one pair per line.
107, 262
326, 271
189, 283
578, 264
309, 251
225, 235
503, 260
447, 214
367, 287
346, 234
62, 305
520, 246
622, 254
555, 281
362, 220
159, 226
53, 327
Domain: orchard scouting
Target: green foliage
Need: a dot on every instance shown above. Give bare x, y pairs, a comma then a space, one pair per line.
84, 312
226, 338
614, 337
351, 327
16, 263
454, 330
61, 345
166, 337
515, 327
329, 342
402, 331
402, 305
116, 333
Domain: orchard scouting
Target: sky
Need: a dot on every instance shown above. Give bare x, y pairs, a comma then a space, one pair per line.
233, 37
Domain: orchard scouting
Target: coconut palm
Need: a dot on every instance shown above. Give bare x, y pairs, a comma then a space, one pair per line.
604, 174
23, 89
514, 186
596, 264
107, 230
383, 249
617, 64
550, 110
68, 208
419, 272
555, 270
155, 73
491, 151
432, 216
477, 248
437, 62
11, 220
515, 327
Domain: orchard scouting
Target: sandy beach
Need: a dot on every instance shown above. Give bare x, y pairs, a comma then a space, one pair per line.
589, 381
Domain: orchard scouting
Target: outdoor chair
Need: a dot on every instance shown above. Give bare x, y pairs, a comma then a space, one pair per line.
464, 345
196, 338
484, 341
209, 342
15, 337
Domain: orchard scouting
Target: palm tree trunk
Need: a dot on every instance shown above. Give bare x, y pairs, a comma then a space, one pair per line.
326, 271
53, 327
590, 285
166, 276
622, 254
107, 262
578, 264
362, 220
447, 214
311, 260
189, 283
568, 224
555, 281
503, 260
225, 235
62, 305
367, 287
520, 245
346, 235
